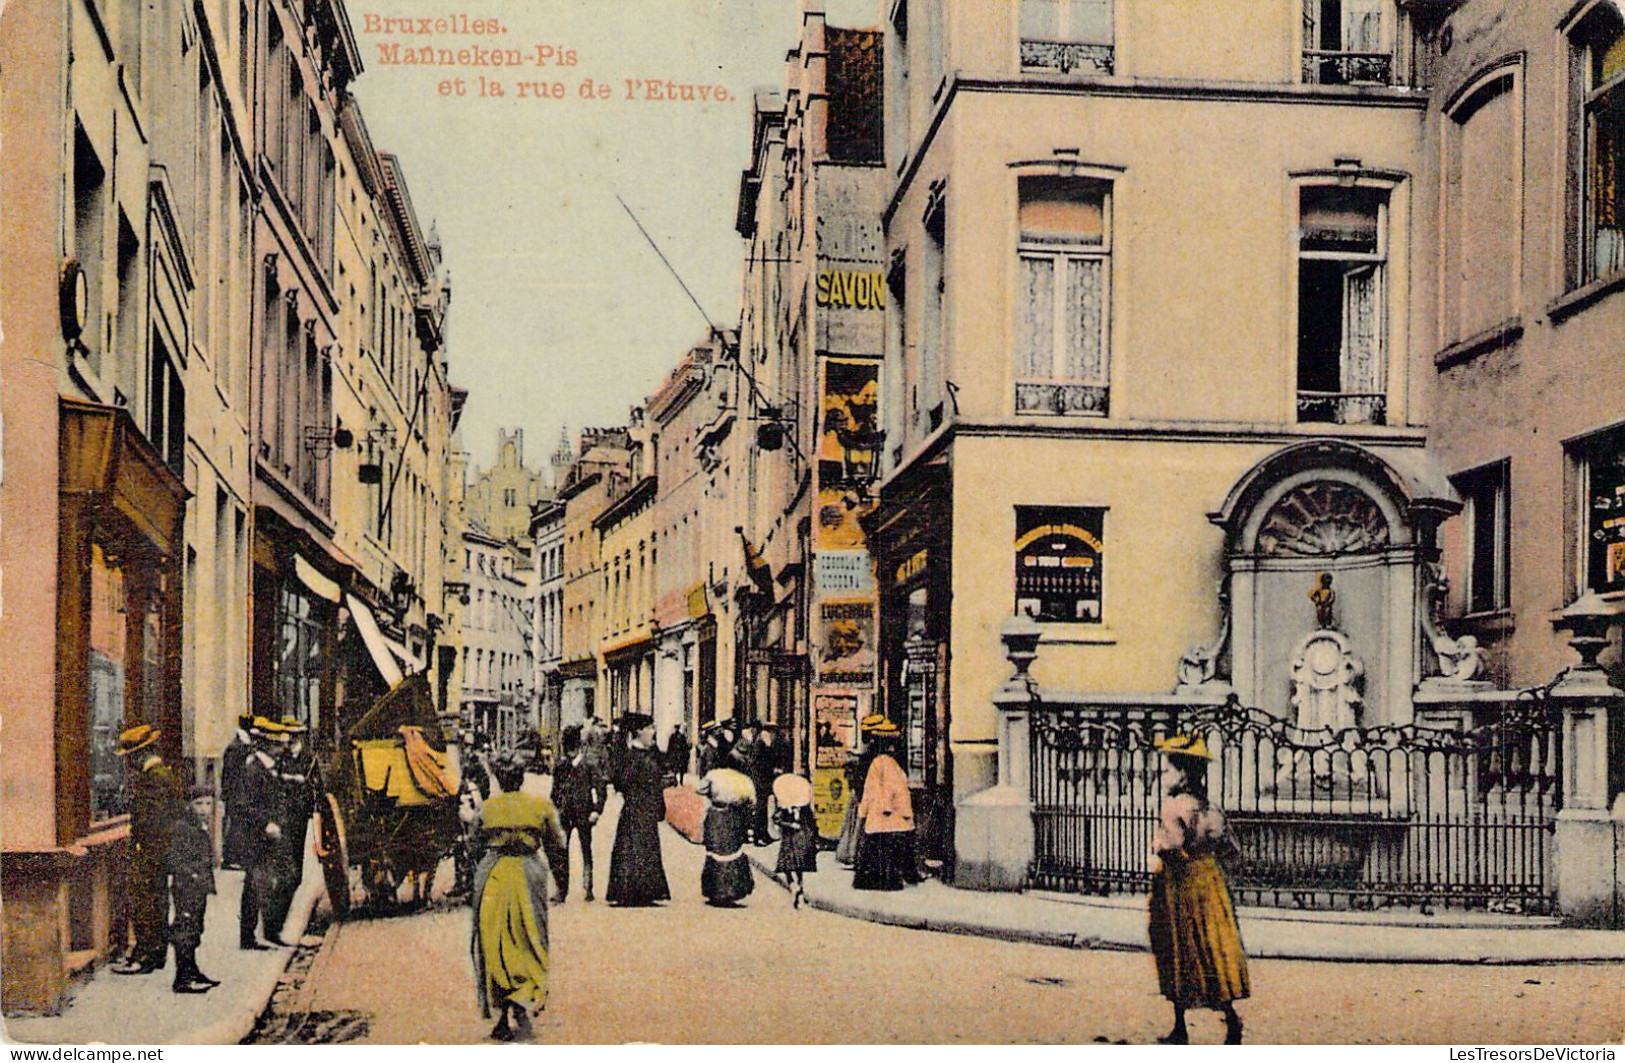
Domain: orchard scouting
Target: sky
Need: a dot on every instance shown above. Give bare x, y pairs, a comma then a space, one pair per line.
561, 314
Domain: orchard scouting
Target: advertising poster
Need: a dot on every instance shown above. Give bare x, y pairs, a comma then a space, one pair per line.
844, 637
835, 728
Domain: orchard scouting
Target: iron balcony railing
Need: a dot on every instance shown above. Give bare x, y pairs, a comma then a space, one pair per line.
1067, 57
1335, 407
1049, 396
1348, 68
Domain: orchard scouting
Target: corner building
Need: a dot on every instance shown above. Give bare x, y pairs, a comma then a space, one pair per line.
1145, 285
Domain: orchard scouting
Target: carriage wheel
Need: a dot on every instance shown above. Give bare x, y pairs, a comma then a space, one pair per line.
333, 849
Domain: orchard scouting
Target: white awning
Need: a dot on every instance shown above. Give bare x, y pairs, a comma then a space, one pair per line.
414, 664
378, 647
318, 584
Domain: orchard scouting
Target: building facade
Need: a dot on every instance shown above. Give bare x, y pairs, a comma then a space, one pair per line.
600, 473
547, 631
494, 684
502, 498
693, 531
124, 233
811, 339
178, 300
1065, 380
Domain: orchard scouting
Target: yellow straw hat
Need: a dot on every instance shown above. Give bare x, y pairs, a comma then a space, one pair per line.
884, 727
136, 738
1184, 746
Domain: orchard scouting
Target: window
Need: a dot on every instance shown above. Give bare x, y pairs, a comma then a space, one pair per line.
89, 225
1059, 554
1063, 290
1488, 525
932, 355
1342, 305
1067, 35
299, 660
1599, 462
1348, 42
898, 98
165, 427
108, 659
1481, 208
1598, 72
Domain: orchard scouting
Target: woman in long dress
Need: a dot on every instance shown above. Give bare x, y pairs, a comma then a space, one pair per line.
886, 850
726, 879
637, 878
857, 770
1194, 936
522, 843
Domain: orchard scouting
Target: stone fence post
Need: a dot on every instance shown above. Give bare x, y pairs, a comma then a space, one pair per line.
993, 828
1590, 864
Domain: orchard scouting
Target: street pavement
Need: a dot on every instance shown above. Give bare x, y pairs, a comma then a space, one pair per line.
765, 973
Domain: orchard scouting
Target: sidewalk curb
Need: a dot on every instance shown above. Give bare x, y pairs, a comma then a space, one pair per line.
240, 1022
1609, 948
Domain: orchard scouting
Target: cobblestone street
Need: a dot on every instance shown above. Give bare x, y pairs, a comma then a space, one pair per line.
768, 973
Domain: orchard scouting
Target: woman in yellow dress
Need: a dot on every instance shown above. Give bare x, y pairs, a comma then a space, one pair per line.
522, 840
1194, 936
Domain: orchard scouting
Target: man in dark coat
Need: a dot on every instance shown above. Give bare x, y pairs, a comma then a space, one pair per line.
190, 863
677, 752
769, 760
262, 816
234, 849
156, 802
578, 794
296, 800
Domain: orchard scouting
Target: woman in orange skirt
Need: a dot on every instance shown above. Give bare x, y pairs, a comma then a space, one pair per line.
1194, 936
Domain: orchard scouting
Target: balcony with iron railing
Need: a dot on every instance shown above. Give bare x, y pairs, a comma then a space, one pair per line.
1347, 68
1061, 397
1068, 57
1332, 407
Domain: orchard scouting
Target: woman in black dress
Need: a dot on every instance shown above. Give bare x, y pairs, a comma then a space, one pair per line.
637, 878
726, 879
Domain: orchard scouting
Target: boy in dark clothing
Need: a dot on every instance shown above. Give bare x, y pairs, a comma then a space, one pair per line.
578, 794
190, 865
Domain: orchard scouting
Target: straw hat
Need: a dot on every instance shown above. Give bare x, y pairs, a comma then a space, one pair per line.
293, 726
136, 739
792, 791
1184, 746
883, 728
871, 721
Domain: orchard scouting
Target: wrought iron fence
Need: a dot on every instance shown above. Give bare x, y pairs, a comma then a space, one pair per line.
1358, 819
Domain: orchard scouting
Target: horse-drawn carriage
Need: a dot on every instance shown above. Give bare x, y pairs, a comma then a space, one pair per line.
388, 806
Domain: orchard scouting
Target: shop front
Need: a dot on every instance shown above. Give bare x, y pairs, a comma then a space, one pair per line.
910, 536
121, 513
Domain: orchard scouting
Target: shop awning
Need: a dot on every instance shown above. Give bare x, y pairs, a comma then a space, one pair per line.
315, 582
378, 647
103, 455
412, 662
